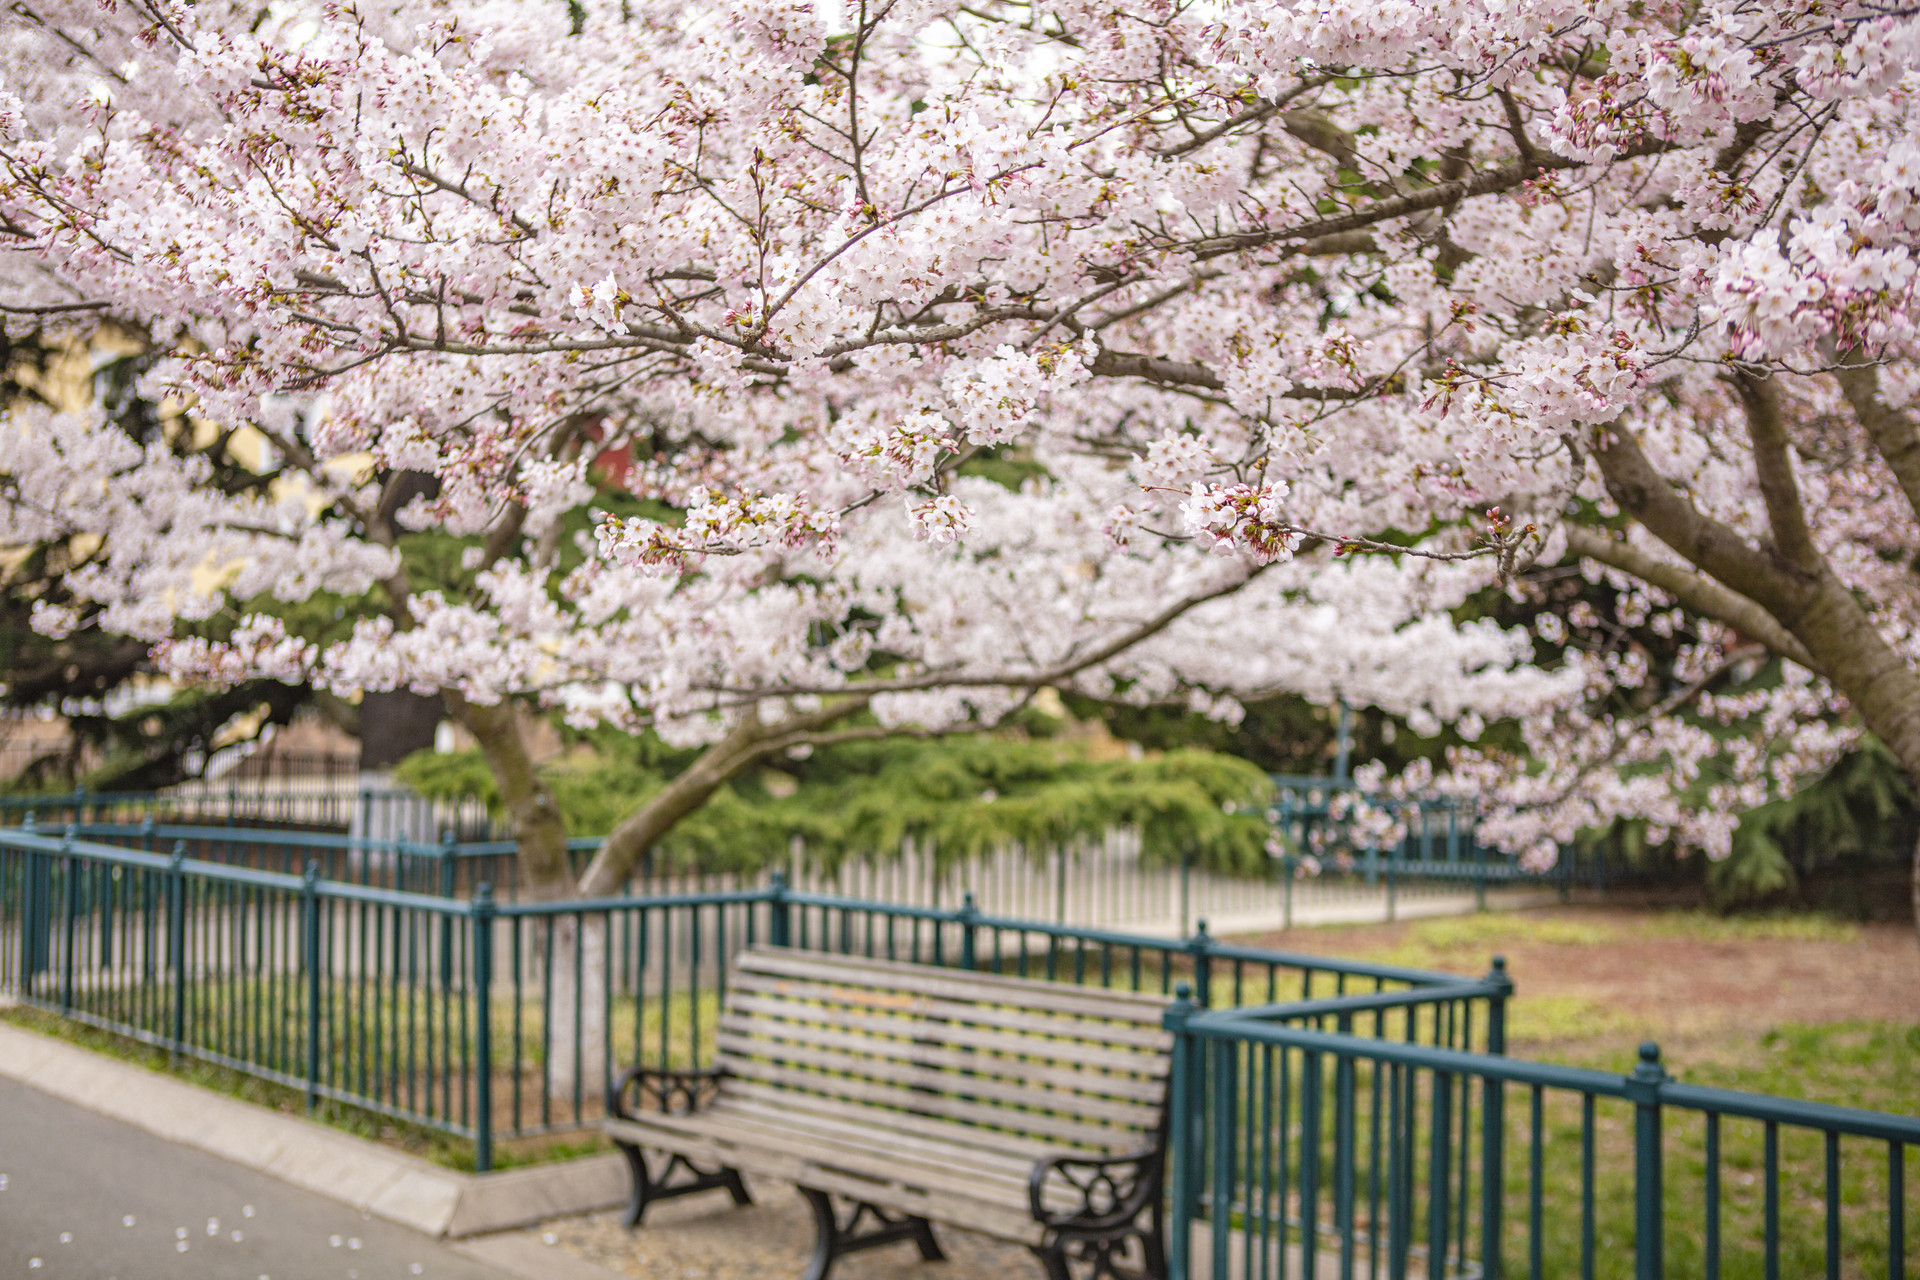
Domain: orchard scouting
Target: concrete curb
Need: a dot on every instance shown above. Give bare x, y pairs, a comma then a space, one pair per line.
388, 1184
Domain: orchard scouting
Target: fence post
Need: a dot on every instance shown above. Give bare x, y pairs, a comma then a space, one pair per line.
310, 960
1502, 982
1493, 1118
36, 921
1182, 1134
779, 914
1200, 947
146, 834
70, 908
482, 912
446, 891
1643, 1087
177, 942
1222, 1081
969, 958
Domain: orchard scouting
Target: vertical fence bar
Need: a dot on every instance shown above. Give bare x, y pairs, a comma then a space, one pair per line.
1439, 1170
779, 912
1649, 1244
1222, 1080
1200, 948
968, 931
310, 961
1493, 1119
1182, 1140
1896, 1210
177, 946
70, 911
481, 916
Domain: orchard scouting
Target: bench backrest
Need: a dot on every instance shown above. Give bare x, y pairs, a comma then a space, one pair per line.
1064, 1066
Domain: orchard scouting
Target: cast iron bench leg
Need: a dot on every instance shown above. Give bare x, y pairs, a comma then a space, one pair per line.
834, 1239
647, 1188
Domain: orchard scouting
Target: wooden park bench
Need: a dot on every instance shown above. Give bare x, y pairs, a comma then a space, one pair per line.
1031, 1111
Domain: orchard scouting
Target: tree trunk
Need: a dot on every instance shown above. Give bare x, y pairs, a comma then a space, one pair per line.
542, 838
569, 949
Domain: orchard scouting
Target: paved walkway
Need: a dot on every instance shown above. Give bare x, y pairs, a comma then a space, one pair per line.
86, 1197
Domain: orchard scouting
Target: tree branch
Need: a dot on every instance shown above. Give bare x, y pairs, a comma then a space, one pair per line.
1773, 467
1700, 594
749, 740
1486, 182
1891, 430
1710, 546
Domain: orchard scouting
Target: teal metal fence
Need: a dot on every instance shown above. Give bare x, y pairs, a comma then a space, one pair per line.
1337, 1138
1330, 1117
488, 1020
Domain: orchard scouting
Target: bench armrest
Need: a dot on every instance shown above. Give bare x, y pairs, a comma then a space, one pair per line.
1112, 1189
673, 1092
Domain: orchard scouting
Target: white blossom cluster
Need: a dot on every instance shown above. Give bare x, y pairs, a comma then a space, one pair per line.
1225, 292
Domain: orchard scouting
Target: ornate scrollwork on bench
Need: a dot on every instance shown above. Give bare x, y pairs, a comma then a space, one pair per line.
1118, 1212
671, 1093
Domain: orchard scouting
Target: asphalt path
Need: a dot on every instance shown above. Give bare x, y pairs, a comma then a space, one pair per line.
84, 1197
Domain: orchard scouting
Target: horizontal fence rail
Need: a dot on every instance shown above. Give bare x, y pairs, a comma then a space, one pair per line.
1338, 1138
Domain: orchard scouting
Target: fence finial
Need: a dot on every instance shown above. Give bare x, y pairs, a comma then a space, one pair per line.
1498, 975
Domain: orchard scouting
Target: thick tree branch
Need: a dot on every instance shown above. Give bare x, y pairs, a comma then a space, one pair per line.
1700, 594
530, 805
1773, 467
1057, 674
1890, 429
750, 740
1710, 546
1486, 182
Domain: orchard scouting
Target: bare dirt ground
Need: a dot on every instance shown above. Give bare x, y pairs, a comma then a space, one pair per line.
1593, 973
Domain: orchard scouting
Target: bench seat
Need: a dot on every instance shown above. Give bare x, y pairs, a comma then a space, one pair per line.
1030, 1111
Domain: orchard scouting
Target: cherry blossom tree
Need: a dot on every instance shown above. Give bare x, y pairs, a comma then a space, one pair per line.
1305, 321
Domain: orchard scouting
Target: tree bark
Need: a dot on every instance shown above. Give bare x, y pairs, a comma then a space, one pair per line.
544, 873
749, 741
1789, 579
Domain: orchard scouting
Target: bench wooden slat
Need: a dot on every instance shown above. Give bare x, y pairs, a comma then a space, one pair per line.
1069, 1131
1150, 1063
923, 1138
1007, 1222
830, 1069
969, 985
741, 1033
908, 1003
860, 1115
944, 1170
